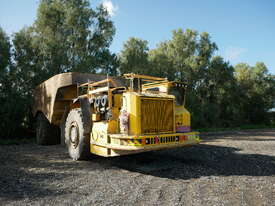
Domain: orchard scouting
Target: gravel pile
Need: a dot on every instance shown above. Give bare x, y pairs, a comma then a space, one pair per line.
236, 168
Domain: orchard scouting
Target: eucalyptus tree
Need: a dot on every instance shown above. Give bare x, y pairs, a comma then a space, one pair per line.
10, 110
134, 56
72, 36
256, 88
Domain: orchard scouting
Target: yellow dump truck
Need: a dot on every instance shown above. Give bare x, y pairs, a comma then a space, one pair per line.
112, 116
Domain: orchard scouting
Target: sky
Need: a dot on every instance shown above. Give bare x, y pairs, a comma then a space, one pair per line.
243, 30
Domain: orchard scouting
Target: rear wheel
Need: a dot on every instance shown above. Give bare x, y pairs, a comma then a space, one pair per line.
77, 140
46, 133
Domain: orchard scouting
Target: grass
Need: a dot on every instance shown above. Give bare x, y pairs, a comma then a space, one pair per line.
243, 127
17, 141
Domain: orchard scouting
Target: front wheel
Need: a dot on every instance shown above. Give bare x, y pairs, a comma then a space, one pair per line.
76, 139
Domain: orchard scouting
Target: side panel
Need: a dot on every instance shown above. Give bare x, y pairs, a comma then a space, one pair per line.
131, 104
182, 119
99, 150
113, 126
99, 136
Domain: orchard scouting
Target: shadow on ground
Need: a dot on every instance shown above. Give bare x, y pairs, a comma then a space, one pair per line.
197, 161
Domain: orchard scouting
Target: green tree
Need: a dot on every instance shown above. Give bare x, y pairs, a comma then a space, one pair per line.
73, 37
134, 57
256, 88
28, 71
221, 89
160, 64
10, 110
187, 54
181, 49
5, 63
4, 52
209, 100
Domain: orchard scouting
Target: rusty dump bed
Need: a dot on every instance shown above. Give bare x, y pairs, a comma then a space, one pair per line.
55, 94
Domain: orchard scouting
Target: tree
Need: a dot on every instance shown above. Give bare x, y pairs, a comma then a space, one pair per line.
181, 49
73, 37
5, 62
188, 54
160, 64
256, 87
28, 65
134, 57
10, 110
220, 92
4, 51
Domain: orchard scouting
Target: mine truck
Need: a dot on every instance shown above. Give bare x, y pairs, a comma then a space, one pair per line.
112, 116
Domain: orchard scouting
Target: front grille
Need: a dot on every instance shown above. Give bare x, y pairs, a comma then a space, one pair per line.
157, 115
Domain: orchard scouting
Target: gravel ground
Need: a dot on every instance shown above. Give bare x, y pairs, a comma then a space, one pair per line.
235, 168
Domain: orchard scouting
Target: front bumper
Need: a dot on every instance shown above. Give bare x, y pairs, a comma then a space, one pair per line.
149, 142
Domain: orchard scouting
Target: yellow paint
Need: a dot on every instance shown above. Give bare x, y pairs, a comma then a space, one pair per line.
117, 100
131, 103
113, 126
98, 150
182, 116
95, 117
99, 132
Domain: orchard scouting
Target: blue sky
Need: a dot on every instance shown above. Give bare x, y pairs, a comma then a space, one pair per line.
243, 30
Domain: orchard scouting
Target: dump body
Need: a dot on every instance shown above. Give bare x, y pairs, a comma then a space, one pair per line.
56, 94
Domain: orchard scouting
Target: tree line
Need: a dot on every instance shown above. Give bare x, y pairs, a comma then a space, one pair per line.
68, 35
219, 94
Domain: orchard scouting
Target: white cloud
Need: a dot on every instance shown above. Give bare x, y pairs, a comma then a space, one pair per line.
233, 53
110, 7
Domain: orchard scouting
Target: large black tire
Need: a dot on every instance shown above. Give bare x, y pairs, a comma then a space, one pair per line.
76, 138
46, 133
62, 127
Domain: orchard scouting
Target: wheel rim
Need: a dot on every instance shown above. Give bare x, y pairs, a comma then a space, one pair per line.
74, 135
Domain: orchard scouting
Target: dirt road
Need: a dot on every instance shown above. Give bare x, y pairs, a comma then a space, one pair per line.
225, 169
